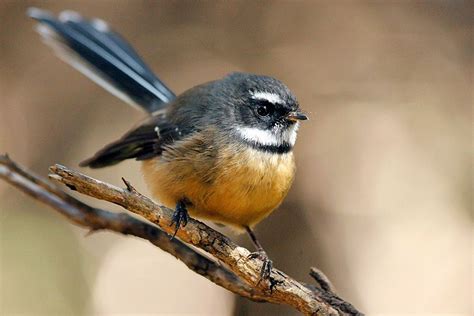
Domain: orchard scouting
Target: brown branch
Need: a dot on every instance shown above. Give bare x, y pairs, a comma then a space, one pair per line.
238, 274
96, 219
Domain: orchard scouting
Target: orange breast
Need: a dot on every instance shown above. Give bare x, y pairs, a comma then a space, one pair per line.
236, 187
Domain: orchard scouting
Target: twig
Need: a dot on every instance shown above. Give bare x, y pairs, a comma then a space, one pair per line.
238, 274
321, 280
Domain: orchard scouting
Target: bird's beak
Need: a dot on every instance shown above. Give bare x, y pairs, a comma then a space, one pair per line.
296, 116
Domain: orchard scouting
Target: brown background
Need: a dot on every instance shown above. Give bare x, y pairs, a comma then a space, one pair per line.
383, 194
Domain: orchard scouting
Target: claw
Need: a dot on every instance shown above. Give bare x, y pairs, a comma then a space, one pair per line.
274, 283
180, 217
267, 264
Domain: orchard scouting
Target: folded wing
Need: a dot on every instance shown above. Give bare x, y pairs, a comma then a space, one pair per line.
143, 142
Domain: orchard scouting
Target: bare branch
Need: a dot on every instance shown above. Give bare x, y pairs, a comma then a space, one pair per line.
238, 274
96, 219
321, 280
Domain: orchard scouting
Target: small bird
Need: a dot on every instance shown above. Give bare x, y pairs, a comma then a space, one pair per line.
221, 151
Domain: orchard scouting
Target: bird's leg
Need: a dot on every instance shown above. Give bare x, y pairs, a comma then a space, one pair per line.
261, 254
180, 215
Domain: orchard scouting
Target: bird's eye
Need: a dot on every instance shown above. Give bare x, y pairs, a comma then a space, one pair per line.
265, 109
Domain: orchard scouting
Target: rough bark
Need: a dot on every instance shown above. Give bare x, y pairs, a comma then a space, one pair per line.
226, 264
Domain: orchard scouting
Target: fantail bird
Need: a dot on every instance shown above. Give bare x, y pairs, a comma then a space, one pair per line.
222, 150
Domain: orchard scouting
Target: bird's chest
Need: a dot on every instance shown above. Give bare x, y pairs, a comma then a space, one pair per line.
254, 182
237, 187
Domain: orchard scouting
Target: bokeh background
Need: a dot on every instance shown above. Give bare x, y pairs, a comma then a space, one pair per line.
383, 195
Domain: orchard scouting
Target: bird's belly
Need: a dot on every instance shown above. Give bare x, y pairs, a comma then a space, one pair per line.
239, 189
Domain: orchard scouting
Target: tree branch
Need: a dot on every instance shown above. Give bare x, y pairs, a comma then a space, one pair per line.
96, 219
237, 273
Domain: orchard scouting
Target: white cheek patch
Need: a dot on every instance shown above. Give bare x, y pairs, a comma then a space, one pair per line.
291, 133
259, 136
269, 137
267, 96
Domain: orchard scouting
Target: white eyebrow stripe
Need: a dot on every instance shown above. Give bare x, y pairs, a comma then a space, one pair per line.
267, 96
269, 137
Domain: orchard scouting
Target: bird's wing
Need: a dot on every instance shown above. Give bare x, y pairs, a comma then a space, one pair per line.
143, 142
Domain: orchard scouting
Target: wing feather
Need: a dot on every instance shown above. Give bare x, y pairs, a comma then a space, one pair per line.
143, 142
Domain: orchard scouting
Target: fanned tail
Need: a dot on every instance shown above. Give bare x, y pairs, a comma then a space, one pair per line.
90, 46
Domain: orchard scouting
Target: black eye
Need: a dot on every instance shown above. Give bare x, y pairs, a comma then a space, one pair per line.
265, 109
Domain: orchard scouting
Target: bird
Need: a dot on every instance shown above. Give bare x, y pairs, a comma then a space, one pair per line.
221, 151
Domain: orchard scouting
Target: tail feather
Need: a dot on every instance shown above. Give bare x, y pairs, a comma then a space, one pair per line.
93, 48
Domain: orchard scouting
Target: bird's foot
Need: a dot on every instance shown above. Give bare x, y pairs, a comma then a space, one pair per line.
267, 265
180, 217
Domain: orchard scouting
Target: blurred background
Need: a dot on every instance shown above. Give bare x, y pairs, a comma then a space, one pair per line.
382, 201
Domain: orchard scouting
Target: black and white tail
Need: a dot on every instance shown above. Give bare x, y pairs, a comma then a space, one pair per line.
90, 46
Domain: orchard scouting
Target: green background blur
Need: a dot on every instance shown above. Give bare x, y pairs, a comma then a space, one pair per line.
382, 200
